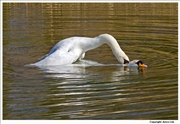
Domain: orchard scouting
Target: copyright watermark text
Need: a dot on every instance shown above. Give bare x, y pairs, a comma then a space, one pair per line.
159, 122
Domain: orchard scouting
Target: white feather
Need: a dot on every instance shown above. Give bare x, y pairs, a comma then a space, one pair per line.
71, 49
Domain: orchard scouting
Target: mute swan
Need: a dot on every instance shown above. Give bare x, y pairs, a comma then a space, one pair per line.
72, 49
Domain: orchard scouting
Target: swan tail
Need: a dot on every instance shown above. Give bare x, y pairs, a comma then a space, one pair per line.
41, 58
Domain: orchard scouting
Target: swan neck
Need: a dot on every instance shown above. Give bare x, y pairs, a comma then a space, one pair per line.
116, 49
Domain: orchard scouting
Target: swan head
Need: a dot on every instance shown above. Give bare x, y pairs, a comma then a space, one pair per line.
141, 64
123, 59
137, 63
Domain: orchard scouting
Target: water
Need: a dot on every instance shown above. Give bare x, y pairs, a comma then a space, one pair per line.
98, 87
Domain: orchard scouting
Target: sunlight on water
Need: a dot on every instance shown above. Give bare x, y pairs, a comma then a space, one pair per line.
97, 87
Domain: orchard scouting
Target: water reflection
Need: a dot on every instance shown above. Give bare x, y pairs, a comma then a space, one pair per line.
147, 31
83, 90
85, 69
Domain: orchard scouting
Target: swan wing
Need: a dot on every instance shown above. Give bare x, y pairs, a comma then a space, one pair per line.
65, 45
60, 57
64, 52
68, 51
57, 46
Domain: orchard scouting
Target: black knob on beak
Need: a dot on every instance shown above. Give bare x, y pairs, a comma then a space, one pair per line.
126, 61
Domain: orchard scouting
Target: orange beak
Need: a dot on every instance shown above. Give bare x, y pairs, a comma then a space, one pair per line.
142, 65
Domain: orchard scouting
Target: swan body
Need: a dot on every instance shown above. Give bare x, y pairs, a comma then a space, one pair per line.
72, 49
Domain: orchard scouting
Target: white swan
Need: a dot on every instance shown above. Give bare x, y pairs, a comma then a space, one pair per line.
71, 49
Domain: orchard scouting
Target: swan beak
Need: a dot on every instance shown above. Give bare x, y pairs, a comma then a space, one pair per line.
142, 65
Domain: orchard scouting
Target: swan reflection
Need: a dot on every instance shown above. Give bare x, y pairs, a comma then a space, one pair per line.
86, 69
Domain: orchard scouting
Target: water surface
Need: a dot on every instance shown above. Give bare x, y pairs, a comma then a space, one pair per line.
90, 90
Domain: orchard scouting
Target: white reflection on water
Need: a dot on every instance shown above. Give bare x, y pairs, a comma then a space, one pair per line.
80, 70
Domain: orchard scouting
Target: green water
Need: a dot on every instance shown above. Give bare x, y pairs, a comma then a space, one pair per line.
144, 31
